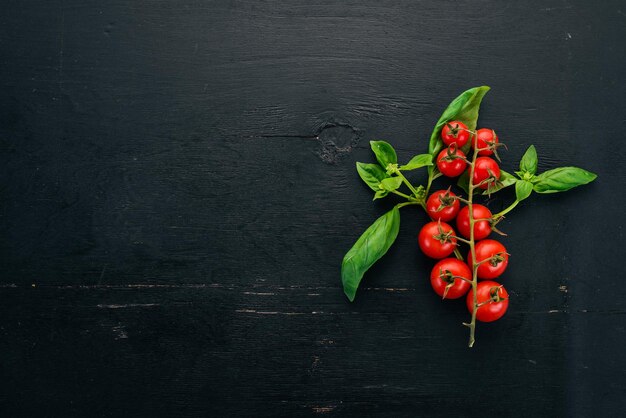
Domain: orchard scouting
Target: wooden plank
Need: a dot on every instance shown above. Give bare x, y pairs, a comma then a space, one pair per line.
178, 190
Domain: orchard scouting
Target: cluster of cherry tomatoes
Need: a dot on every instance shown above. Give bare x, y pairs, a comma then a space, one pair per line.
452, 162
451, 278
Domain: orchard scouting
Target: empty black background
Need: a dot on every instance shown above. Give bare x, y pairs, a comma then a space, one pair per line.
178, 190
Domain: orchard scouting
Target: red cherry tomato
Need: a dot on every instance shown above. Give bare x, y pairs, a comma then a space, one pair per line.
436, 239
485, 168
494, 297
455, 132
490, 249
442, 205
449, 166
442, 276
482, 229
484, 138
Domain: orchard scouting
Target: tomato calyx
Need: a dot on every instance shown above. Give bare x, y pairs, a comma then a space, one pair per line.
447, 276
495, 259
445, 200
444, 237
454, 130
493, 145
489, 181
495, 221
493, 182
494, 295
486, 142
451, 153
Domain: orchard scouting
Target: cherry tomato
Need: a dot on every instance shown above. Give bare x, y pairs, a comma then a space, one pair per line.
490, 249
455, 132
484, 138
436, 239
449, 166
442, 276
495, 299
442, 205
482, 229
484, 168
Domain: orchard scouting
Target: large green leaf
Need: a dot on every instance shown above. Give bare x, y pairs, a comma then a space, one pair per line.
368, 249
380, 194
390, 184
421, 160
523, 189
464, 108
385, 154
562, 179
371, 174
528, 163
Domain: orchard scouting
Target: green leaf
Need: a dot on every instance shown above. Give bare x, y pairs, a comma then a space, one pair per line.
380, 194
391, 183
418, 161
385, 154
523, 189
562, 179
371, 174
506, 180
463, 181
464, 108
368, 249
528, 163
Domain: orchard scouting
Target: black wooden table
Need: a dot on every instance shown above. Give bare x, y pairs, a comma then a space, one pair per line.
178, 190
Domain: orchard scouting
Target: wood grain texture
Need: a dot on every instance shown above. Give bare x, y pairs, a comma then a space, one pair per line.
178, 190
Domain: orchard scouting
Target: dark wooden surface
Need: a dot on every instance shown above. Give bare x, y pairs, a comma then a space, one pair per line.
178, 190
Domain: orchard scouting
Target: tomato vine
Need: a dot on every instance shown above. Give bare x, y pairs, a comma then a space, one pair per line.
451, 141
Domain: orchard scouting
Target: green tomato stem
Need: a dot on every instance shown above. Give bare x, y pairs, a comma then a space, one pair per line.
460, 199
472, 242
406, 196
431, 177
507, 210
401, 205
430, 181
407, 182
466, 241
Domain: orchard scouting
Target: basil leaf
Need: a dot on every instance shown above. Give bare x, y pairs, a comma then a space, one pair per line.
368, 249
418, 161
464, 108
371, 174
380, 194
506, 180
528, 163
523, 189
562, 179
463, 181
385, 154
391, 183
